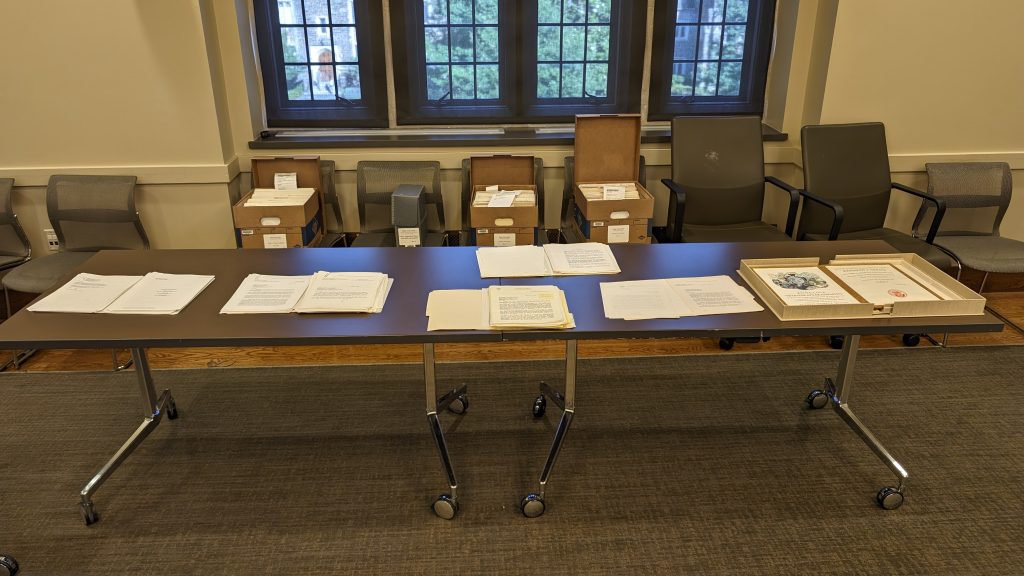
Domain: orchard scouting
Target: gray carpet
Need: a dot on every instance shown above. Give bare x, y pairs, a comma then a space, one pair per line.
681, 465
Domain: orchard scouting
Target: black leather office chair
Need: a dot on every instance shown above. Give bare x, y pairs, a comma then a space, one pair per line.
566, 235
376, 182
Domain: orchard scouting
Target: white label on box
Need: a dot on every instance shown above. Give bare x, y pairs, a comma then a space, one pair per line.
619, 215
248, 232
409, 237
597, 224
614, 192
505, 239
275, 240
286, 181
618, 234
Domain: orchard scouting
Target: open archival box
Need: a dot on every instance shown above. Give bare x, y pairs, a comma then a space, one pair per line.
858, 286
499, 308
322, 292
154, 293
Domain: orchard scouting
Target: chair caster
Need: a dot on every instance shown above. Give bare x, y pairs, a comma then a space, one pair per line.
726, 343
171, 410
446, 507
766, 338
835, 342
889, 498
817, 399
8, 566
911, 339
89, 514
540, 405
459, 405
532, 506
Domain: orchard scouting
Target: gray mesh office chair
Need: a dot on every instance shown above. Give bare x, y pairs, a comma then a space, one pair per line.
717, 189
88, 214
375, 183
15, 248
538, 182
566, 235
977, 195
847, 185
334, 232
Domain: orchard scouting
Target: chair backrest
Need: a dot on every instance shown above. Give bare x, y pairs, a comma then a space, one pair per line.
719, 161
90, 213
847, 163
377, 180
14, 245
331, 200
467, 192
977, 193
567, 190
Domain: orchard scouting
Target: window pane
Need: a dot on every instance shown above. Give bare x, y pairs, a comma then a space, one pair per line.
345, 44
549, 11
733, 47
486, 11
462, 11
463, 82
572, 42
436, 39
572, 80
462, 44
323, 82
486, 44
487, 82
597, 43
435, 11
319, 41
686, 11
682, 79
348, 82
438, 83
713, 11
710, 42
289, 11
294, 42
597, 80
599, 11
686, 43
729, 80
316, 12
297, 82
547, 80
707, 79
342, 12
737, 11
549, 46
575, 11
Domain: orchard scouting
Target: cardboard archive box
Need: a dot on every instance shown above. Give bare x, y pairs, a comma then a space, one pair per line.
511, 226
281, 226
607, 151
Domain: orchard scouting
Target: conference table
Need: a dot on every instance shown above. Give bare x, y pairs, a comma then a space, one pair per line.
417, 272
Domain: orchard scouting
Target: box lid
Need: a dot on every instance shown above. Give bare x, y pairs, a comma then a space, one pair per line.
500, 169
306, 168
607, 148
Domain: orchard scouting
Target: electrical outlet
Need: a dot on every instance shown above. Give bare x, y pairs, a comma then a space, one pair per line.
51, 240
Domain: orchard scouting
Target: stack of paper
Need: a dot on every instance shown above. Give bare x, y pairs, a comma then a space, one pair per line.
504, 198
321, 292
272, 197
499, 308
154, 293
610, 191
552, 259
675, 298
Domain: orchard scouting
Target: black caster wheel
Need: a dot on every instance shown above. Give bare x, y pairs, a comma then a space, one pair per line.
8, 566
532, 506
446, 507
540, 405
817, 399
889, 498
766, 338
459, 405
911, 339
726, 343
172, 410
835, 342
89, 515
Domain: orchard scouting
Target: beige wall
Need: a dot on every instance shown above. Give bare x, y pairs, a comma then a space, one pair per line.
169, 91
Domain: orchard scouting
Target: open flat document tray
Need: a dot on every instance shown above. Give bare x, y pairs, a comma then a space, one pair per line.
858, 286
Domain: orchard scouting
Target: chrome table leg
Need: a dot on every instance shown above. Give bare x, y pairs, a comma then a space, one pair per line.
447, 505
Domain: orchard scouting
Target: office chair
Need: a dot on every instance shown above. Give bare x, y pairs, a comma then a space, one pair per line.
333, 235
566, 234
88, 214
847, 185
15, 248
538, 183
977, 195
375, 183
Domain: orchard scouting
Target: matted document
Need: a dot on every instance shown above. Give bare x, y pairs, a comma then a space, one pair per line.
881, 284
86, 293
805, 286
159, 293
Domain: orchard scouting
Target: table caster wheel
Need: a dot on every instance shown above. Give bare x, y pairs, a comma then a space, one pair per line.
8, 566
171, 409
911, 339
889, 498
726, 343
835, 342
817, 399
532, 506
459, 405
540, 405
446, 507
89, 514
766, 338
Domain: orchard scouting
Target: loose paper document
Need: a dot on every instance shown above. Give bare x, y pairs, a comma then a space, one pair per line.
881, 284
271, 197
512, 262
519, 198
263, 294
344, 292
597, 191
640, 300
85, 293
158, 293
713, 295
457, 310
805, 286
512, 307
286, 180
585, 258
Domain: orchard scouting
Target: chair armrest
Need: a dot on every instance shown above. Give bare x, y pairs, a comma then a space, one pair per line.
794, 200
940, 207
837, 212
676, 208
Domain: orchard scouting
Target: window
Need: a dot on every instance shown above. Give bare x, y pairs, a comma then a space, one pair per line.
322, 62
710, 57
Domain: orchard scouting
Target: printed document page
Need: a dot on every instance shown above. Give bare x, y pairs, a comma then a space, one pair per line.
640, 300
881, 284
343, 292
271, 197
528, 307
262, 294
713, 295
583, 258
512, 262
158, 293
87, 293
805, 286
457, 310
